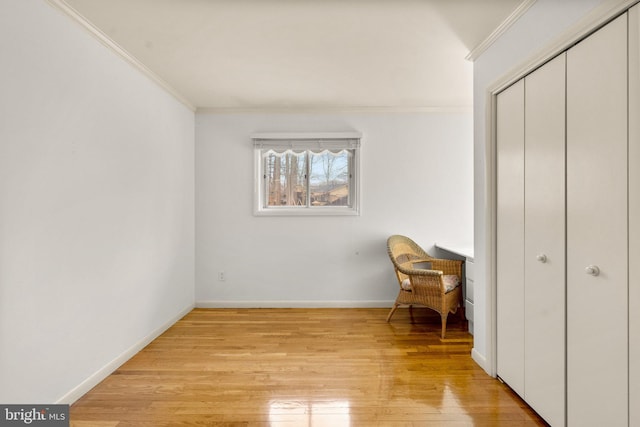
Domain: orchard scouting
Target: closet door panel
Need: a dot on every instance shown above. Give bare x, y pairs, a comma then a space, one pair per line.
510, 236
634, 215
544, 254
597, 320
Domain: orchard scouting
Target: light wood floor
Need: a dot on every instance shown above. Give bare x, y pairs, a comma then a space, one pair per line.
303, 367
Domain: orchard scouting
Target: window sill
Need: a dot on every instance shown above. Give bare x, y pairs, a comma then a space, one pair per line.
307, 212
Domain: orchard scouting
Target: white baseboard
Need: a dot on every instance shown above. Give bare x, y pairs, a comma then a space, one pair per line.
82, 388
295, 304
480, 360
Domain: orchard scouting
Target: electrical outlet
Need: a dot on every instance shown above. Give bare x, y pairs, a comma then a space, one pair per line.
221, 276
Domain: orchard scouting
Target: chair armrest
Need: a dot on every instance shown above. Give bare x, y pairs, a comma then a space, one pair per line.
418, 271
427, 283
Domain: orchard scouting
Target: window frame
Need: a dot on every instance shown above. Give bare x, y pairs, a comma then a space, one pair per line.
306, 141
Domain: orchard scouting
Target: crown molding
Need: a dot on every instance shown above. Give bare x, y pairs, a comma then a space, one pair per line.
103, 38
500, 30
337, 110
588, 24
64, 7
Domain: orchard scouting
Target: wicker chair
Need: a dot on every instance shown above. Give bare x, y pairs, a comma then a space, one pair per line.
435, 284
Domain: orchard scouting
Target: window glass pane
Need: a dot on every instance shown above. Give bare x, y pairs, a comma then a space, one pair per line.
285, 175
329, 178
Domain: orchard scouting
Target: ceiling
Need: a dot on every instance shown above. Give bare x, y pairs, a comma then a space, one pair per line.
237, 55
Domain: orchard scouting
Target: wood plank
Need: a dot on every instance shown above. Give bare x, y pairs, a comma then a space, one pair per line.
297, 367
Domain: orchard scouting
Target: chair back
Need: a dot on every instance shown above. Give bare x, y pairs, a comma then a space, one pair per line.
403, 252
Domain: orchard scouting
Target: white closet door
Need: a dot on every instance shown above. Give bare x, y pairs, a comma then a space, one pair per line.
544, 254
597, 320
634, 215
510, 236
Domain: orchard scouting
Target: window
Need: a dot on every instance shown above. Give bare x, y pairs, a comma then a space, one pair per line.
307, 174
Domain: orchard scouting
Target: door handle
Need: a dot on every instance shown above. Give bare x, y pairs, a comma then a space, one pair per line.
592, 270
542, 258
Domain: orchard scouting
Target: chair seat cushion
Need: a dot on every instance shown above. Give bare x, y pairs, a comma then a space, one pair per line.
450, 281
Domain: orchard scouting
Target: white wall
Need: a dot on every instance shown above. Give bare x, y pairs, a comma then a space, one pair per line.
416, 180
96, 206
534, 32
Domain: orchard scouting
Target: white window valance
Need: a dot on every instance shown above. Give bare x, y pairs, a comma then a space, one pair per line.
301, 142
